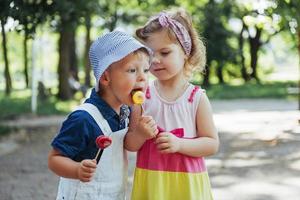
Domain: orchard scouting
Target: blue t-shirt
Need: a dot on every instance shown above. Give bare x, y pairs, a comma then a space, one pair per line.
79, 131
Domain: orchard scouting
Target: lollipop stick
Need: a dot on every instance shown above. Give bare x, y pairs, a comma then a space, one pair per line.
99, 154
142, 111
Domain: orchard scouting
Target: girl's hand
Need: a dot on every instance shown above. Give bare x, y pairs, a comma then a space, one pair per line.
147, 127
167, 142
86, 170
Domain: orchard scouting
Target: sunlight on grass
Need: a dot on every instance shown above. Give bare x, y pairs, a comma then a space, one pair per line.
19, 103
66, 106
279, 90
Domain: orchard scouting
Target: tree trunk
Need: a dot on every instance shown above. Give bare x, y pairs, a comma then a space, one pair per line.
206, 75
299, 46
241, 52
25, 58
8, 83
87, 67
254, 47
64, 90
220, 73
298, 66
73, 56
114, 18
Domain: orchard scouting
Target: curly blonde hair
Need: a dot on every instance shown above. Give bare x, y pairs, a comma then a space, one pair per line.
197, 58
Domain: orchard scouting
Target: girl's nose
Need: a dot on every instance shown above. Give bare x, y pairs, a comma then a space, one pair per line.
155, 60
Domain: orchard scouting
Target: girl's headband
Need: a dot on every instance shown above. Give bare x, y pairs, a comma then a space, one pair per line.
180, 31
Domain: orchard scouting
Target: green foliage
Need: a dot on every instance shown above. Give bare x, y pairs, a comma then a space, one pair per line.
129, 12
5, 10
29, 15
211, 17
290, 17
217, 35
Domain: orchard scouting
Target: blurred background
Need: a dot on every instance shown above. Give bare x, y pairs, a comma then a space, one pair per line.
251, 77
252, 46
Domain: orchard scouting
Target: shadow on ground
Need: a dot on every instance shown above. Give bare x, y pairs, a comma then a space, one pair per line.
259, 156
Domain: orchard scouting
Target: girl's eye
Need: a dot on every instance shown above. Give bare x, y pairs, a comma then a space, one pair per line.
165, 53
146, 70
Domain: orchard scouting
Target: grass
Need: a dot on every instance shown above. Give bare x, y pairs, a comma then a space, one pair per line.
278, 90
5, 130
19, 103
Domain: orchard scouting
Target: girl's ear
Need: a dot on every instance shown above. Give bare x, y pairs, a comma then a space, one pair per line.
105, 78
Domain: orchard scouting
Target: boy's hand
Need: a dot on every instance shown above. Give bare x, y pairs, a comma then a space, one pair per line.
167, 142
147, 127
86, 170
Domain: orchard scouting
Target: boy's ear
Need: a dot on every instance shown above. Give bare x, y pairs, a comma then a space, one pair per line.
105, 78
186, 57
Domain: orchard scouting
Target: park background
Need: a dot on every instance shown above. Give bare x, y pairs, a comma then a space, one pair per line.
251, 77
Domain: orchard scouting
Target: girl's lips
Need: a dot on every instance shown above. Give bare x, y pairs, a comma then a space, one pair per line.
158, 69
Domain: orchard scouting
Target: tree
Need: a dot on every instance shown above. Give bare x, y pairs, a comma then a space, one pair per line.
290, 19
244, 73
4, 14
216, 36
29, 15
66, 16
289, 11
260, 25
87, 65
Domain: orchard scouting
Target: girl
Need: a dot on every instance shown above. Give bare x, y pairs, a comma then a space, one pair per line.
171, 166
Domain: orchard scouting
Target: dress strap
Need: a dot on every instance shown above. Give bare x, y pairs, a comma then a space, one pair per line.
191, 97
148, 95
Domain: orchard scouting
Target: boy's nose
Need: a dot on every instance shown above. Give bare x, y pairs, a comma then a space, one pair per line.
141, 76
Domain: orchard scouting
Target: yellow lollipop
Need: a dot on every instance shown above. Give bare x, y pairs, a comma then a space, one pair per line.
138, 97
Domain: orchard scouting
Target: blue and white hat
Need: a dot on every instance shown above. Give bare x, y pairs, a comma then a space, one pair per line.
111, 48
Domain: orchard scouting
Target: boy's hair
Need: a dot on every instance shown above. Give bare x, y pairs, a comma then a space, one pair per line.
197, 56
111, 48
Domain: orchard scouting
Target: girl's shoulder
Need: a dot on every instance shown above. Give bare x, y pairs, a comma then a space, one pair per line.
198, 87
194, 92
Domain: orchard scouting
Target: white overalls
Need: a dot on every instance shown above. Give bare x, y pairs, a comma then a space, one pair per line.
110, 180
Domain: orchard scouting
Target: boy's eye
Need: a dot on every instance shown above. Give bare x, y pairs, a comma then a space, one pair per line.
146, 70
131, 70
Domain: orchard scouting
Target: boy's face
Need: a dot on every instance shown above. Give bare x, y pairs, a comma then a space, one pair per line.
126, 76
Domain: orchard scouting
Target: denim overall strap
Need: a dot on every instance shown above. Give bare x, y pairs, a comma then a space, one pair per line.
95, 113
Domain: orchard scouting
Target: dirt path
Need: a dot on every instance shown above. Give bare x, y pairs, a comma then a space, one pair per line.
259, 155
258, 159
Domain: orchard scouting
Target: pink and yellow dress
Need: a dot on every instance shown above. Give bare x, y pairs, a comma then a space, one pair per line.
171, 176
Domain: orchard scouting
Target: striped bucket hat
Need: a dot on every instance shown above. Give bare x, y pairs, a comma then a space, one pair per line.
111, 48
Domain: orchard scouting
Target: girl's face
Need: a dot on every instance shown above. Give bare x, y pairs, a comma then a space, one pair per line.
126, 76
169, 57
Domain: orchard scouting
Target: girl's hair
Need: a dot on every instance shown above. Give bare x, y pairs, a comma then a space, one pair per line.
197, 57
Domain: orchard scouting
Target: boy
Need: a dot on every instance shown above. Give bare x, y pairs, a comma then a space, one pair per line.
120, 64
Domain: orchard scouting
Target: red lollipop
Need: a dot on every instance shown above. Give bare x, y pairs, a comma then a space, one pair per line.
102, 142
